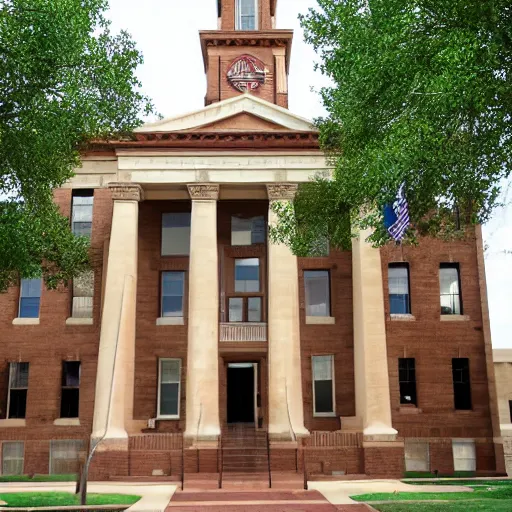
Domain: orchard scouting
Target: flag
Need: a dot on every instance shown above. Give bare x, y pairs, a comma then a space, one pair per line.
401, 211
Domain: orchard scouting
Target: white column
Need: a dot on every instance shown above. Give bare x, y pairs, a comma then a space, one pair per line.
113, 405
373, 404
202, 420
286, 410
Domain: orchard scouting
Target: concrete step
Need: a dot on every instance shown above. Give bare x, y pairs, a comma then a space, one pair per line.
201, 481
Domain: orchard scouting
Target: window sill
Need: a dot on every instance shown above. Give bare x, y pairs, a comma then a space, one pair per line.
409, 409
454, 318
170, 320
167, 418
25, 321
14, 422
320, 320
67, 422
79, 321
324, 415
402, 317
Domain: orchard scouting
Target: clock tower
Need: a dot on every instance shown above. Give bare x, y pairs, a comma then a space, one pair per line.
247, 54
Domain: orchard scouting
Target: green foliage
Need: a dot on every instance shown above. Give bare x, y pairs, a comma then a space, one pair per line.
38, 478
462, 506
421, 93
64, 79
61, 499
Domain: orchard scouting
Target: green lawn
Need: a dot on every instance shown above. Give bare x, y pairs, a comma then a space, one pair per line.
59, 499
38, 478
487, 495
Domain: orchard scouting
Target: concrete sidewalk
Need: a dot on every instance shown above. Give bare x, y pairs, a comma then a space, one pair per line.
154, 496
338, 493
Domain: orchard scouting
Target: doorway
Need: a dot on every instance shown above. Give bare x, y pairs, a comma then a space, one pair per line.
241, 390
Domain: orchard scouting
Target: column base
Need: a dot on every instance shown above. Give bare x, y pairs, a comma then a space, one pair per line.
384, 459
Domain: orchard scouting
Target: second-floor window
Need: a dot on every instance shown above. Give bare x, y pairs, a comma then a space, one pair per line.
317, 289
245, 309
398, 280
449, 282
81, 214
247, 275
246, 14
17, 392
407, 380
30, 298
70, 394
176, 234
173, 291
248, 231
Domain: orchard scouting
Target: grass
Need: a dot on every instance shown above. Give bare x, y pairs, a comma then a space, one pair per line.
38, 478
487, 496
457, 474
61, 499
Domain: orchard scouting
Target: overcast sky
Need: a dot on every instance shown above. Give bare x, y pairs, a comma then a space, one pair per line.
173, 76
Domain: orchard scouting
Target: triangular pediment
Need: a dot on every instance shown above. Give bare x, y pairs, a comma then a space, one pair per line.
241, 113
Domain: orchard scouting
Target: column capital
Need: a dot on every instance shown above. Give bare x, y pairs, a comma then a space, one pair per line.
126, 192
204, 191
280, 191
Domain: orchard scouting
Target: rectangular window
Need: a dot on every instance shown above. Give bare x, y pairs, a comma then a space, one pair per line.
323, 385
464, 455
317, 285
83, 293
64, 456
407, 379
461, 383
18, 387
236, 309
81, 214
254, 309
248, 231
247, 275
176, 234
246, 14
13, 453
449, 281
169, 376
173, 290
30, 298
398, 279
510, 408
417, 456
70, 397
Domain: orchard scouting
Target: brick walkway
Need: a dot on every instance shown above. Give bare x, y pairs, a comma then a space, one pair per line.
256, 501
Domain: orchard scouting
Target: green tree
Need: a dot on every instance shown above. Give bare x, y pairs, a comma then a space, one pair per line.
421, 92
65, 79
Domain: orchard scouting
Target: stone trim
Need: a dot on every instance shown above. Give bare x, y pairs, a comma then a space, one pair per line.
454, 318
126, 192
170, 320
281, 191
79, 321
13, 423
320, 320
25, 321
209, 192
67, 422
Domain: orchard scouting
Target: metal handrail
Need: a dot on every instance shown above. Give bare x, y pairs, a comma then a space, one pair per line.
305, 467
269, 465
182, 462
221, 460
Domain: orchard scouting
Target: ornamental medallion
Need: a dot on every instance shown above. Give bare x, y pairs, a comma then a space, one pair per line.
246, 73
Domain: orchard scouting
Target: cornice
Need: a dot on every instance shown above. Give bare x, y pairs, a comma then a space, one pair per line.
204, 191
126, 192
281, 191
214, 140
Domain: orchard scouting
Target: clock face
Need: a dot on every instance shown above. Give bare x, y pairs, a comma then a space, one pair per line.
246, 73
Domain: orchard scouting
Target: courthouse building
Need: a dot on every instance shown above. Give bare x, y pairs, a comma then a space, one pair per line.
194, 336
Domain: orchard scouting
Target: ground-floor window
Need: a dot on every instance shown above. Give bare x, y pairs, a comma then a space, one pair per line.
12, 457
64, 456
417, 456
323, 385
464, 455
169, 382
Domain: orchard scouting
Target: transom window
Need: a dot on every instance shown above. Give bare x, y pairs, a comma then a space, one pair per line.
323, 385
317, 288
173, 290
81, 214
449, 281
30, 298
246, 14
18, 388
169, 377
247, 275
398, 280
248, 231
176, 234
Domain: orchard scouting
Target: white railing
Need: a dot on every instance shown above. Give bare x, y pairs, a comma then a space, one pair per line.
243, 332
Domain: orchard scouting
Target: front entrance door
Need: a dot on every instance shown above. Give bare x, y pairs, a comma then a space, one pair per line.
241, 406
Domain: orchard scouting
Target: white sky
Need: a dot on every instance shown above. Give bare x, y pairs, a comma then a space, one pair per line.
173, 76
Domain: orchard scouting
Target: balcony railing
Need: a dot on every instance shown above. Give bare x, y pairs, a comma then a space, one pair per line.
243, 332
